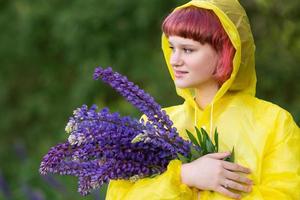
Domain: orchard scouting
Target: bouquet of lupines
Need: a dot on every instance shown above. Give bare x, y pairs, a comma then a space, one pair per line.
105, 146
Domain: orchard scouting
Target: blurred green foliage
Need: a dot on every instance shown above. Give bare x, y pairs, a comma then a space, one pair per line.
48, 53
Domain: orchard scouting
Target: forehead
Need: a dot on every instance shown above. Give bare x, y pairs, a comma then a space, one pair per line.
177, 40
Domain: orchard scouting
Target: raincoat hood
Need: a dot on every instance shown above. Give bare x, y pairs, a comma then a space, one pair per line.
236, 24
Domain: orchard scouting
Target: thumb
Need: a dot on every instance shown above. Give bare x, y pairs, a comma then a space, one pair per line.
219, 155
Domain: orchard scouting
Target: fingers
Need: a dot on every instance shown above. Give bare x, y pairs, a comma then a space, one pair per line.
218, 155
228, 193
236, 177
237, 186
235, 167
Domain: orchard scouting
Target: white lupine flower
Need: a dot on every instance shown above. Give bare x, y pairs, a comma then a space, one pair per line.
76, 111
141, 137
72, 139
146, 132
134, 178
80, 139
94, 184
138, 138
147, 140
69, 127
75, 158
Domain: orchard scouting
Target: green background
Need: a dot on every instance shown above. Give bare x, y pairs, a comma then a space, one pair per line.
49, 49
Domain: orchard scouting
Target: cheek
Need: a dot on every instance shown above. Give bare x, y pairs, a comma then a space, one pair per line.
203, 66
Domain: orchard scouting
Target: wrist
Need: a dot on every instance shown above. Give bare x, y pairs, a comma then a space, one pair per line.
185, 175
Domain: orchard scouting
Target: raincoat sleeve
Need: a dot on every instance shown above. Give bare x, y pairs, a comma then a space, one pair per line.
165, 186
168, 185
280, 174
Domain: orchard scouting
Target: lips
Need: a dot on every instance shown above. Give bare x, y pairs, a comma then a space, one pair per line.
178, 73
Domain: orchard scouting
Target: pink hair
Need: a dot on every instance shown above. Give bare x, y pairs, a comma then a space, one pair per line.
202, 25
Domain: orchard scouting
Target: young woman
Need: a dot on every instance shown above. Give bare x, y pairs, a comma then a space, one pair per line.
209, 50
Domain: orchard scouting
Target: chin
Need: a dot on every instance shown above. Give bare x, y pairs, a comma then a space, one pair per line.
183, 86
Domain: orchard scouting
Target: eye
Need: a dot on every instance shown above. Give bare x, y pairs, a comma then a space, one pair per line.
186, 50
172, 48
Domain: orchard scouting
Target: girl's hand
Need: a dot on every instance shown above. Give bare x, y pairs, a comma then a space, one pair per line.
210, 172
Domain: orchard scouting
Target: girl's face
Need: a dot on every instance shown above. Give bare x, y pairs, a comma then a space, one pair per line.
193, 63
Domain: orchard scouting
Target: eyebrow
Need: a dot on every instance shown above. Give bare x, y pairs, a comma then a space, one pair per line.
183, 45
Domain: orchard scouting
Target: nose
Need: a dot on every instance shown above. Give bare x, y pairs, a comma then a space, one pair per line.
175, 59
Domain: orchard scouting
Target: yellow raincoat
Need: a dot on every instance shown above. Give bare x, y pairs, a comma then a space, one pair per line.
265, 137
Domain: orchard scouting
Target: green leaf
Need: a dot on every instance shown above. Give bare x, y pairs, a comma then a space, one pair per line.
199, 135
204, 143
192, 138
206, 146
209, 146
227, 158
230, 158
195, 154
216, 137
204, 137
182, 158
153, 175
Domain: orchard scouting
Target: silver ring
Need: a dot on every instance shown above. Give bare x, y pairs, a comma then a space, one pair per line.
225, 185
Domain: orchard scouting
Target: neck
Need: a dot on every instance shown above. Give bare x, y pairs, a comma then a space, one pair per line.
205, 93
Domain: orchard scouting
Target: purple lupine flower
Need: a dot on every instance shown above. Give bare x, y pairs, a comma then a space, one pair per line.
99, 126
104, 138
141, 100
105, 146
137, 97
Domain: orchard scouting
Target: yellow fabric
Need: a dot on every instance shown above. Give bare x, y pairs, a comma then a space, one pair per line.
265, 137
